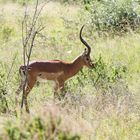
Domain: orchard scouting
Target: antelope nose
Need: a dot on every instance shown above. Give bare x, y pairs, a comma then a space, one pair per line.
92, 65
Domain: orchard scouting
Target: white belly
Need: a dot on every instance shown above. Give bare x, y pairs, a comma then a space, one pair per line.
43, 76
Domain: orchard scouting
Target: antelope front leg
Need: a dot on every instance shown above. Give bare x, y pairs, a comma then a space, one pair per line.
59, 87
56, 90
62, 90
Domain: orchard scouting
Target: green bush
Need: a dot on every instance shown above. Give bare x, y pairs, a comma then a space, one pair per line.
6, 32
103, 74
38, 128
117, 15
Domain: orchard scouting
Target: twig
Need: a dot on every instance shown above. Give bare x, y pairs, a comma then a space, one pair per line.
28, 39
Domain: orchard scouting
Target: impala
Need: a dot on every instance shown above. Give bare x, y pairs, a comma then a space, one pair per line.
55, 70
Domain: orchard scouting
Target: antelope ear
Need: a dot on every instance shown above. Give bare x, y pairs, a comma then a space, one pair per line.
85, 52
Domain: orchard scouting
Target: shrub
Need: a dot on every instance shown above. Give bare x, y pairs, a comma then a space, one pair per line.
38, 128
104, 74
6, 32
117, 15
101, 76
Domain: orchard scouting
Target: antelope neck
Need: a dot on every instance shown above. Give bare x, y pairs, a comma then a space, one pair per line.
75, 66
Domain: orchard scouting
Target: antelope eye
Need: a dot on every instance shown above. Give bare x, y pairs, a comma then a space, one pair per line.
87, 59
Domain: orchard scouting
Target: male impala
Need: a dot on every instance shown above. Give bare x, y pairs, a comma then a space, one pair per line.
55, 70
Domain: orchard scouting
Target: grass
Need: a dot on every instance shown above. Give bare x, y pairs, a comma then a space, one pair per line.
100, 110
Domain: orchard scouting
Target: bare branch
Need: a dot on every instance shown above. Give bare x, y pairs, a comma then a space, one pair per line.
30, 29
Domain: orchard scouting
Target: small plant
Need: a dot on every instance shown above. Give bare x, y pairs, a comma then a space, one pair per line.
12, 131
38, 128
3, 92
23, 2
6, 32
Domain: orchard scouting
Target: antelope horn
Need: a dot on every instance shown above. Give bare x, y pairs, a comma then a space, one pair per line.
84, 42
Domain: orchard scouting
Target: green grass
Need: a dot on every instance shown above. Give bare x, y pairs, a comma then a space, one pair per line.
103, 109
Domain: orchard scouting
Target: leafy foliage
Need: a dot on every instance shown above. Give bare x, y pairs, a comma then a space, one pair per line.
38, 128
6, 32
117, 15
102, 75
